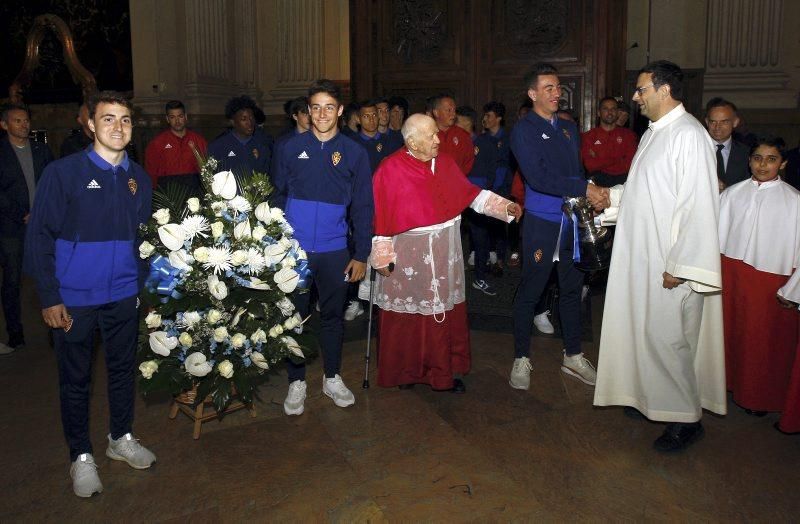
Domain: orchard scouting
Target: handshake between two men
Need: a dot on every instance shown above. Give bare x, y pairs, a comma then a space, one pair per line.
598, 197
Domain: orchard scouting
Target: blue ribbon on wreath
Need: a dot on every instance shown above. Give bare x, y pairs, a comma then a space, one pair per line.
304, 272
163, 279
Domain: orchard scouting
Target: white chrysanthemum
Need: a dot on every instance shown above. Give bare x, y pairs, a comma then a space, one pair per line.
256, 260
219, 258
239, 204
195, 225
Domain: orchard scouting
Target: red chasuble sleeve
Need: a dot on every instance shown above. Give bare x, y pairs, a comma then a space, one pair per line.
408, 194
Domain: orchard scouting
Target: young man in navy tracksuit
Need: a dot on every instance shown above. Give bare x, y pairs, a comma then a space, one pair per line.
82, 250
246, 147
323, 178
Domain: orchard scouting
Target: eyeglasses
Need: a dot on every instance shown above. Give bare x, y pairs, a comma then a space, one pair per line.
640, 90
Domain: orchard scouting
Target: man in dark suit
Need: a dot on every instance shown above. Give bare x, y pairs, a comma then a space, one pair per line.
732, 157
21, 163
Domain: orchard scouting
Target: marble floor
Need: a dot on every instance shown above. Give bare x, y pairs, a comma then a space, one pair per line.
493, 454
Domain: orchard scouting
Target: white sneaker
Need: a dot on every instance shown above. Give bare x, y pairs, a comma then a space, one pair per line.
7, 350
471, 258
492, 257
579, 367
335, 388
521, 373
542, 323
295, 398
85, 480
127, 449
353, 310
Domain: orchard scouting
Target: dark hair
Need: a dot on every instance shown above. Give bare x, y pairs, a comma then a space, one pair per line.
241, 103
106, 97
531, 78
718, 101
606, 99
498, 108
401, 102
623, 106
174, 104
434, 101
380, 100
666, 73
372, 102
13, 107
297, 105
329, 87
349, 109
470, 113
772, 141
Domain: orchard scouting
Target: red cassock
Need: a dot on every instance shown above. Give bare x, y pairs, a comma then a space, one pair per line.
762, 343
415, 348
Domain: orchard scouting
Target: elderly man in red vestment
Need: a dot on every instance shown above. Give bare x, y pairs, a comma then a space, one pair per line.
419, 196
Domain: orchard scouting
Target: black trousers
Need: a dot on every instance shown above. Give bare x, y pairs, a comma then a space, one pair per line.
478, 227
118, 323
539, 238
327, 270
11, 263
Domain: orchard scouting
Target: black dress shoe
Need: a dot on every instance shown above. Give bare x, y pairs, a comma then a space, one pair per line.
678, 436
405, 386
756, 413
458, 386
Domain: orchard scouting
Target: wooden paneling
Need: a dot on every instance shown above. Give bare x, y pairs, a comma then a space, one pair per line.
478, 50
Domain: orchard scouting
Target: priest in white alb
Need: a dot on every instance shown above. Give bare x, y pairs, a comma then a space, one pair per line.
661, 350
759, 233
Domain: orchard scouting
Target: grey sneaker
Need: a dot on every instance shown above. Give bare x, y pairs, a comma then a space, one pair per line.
127, 449
484, 287
521, 373
335, 388
542, 323
579, 367
353, 310
295, 398
85, 481
7, 350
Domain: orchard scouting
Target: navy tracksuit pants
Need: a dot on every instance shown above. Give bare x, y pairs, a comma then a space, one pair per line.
118, 323
327, 270
539, 238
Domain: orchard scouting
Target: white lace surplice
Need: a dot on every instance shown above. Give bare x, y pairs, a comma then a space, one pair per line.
428, 277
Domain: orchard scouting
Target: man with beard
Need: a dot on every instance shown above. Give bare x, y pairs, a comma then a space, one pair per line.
170, 156
607, 150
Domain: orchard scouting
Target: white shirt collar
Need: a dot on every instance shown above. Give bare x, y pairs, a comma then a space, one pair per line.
674, 114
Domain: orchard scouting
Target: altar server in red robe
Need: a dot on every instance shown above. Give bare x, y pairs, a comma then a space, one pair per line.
419, 196
759, 230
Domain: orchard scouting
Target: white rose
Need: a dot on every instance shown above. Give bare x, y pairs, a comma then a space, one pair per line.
224, 185
288, 262
286, 306
238, 257
218, 208
217, 288
217, 228
193, 204
213, 316
286, 243
225, 368
293, 346
172, 236
293, 321
238, 340
258, 336
152, 320
190, 318
161, 216
259, 360
259, 232
146, 249
274, 331
276, 213
180, 259
197, 365
286, 279
185, 339
262, 213
161, 343
242, 230
220, 334
201, 254
151, 366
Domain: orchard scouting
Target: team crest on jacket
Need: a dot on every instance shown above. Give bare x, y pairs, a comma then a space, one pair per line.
500, 144
133, 186
379, 147
538, 256
336, 157
619, 140
566, 134
255, 153
455, 140
477, 150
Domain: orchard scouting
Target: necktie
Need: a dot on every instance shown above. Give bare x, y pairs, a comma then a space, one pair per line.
720, 162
